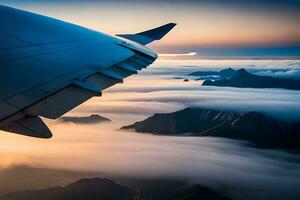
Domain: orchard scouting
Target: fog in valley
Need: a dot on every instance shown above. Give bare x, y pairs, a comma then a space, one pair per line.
230, 166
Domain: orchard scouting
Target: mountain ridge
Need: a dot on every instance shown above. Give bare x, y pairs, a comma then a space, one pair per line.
92, 119
257, 127
106, 189
244, 79
87, 189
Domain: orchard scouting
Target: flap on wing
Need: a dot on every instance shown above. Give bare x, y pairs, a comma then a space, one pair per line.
78, 92
6, 109
149, 36
61, 102
31, 126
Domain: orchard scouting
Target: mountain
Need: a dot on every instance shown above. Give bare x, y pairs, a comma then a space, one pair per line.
228, 72
224, 73
87, 189
257, 127
204, 73
92, 119
244, 79
105, 189
198, 192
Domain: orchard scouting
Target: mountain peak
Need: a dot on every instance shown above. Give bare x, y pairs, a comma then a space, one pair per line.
227, 69
92, 119
242, 72
92, 181
228, 72
90, 189
201, 192
244, 79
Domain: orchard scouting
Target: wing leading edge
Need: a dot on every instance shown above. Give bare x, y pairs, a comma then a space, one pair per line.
50, 75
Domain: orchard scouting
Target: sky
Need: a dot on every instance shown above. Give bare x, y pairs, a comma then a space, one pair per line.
210, 28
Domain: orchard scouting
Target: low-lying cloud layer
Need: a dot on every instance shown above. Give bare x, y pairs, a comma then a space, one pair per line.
155, 90
226, 165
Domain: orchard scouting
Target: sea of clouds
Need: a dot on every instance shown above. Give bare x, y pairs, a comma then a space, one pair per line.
228, 166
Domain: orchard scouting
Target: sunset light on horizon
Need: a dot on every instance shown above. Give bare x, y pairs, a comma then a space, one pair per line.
201, 24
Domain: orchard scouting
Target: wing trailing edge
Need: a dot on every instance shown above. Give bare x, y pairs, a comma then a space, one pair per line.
27, 122
149, 36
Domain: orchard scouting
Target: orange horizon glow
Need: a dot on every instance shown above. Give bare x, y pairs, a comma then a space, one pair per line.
203, 26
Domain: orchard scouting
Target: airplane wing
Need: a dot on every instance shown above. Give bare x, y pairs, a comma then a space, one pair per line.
48, 67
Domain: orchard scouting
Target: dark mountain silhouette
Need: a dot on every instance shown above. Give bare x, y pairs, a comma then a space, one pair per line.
85, 189
204, 73
224, 73
256, 127
198, 192
105, 189
92, 119
228, 72
244, 79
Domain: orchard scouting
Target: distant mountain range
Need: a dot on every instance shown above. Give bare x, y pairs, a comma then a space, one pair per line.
243, 79
85, 189
198, 192
92, 119
257, 127
224, 73
105, 189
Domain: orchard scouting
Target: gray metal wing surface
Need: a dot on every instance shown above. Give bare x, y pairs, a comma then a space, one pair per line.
48, 67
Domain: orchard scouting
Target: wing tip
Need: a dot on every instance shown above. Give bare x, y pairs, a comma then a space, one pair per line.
159, 32
149, 36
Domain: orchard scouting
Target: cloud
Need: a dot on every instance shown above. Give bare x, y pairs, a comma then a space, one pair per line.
19, 177
137, 99
155, 90
225, 165
284, 73
178, 55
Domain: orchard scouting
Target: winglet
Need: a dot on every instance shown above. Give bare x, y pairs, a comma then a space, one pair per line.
149, 36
